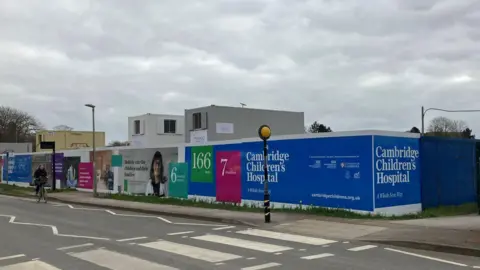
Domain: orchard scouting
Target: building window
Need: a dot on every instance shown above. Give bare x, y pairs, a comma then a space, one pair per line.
169, 126
136, 127
197, 120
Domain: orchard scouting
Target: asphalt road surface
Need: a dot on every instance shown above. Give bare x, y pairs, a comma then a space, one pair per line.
58, 236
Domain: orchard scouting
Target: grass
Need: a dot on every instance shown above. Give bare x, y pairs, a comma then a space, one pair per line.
320, 211
442, 211
15, 190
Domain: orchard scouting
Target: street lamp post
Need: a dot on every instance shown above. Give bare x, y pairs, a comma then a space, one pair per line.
93, 148
264, 133
441, 110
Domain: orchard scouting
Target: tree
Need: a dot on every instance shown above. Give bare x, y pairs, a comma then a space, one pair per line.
316, 127
443, 126
467, 133
17, 125
63, 128
118, 143
414, 130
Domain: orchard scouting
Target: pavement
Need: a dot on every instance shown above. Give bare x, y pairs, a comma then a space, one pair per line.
71, 236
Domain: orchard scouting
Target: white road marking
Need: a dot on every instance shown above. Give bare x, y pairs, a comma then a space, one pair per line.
278, 253
318, 256
118, 261
326, 246
425, 257
76, 246
219, 263
476, 267
198, 224
164, 220
30, 265
54, 229
132, 239
251, 258
191, 251
258, 246
346, 242
12, 257
223, 228
288, 237
179, 233
262, 266
361, 248
184, 236
140, 216
302, 249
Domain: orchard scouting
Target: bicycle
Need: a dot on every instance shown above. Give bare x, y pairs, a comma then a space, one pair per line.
42, 192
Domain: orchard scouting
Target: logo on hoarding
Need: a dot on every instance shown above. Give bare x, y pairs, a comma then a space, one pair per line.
331, 165
350, 165
316, 165
395, 164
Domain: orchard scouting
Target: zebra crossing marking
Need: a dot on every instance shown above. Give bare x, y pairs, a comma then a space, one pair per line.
236, 242
362, 248
31, 265
118, 261
287, 237
191, 251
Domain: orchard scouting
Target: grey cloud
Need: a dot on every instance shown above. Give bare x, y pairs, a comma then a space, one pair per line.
350, 64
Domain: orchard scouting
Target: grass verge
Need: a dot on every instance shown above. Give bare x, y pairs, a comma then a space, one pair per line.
15, 190
442, 211
320, 211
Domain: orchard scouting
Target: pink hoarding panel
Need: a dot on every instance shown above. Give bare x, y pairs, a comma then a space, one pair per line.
228, 176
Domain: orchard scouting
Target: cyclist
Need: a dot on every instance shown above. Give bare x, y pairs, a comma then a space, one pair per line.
39, 175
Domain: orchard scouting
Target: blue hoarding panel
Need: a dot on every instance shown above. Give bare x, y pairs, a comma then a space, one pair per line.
20, 168
448, 171
397, 171
327, 172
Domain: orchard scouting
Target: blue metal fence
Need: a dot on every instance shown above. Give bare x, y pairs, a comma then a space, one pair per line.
448, 169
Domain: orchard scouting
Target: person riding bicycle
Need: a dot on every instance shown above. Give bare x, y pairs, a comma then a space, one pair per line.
40, 176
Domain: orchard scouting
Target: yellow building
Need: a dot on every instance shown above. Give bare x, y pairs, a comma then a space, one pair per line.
67, 140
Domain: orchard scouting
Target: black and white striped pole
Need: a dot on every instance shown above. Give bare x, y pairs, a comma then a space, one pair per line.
264, 133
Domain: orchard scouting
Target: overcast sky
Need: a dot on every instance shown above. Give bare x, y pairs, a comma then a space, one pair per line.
349, 64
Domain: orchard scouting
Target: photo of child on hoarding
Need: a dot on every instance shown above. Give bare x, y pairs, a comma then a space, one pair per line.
157, 175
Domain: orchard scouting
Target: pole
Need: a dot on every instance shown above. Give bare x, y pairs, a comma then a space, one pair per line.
7, 166
423, 121
266, 194
93, 154
54, 172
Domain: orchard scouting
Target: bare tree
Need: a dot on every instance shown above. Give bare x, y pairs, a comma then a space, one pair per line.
17, 125
63, 128
443, 126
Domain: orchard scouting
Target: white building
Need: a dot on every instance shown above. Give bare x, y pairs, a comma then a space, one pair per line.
156, 129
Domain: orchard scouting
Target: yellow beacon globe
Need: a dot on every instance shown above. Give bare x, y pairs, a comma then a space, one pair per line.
265, 132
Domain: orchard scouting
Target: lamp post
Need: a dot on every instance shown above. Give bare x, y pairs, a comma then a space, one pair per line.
441, 110
264, 133
93, 148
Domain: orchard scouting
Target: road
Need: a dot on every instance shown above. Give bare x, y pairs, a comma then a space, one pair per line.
57, 236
